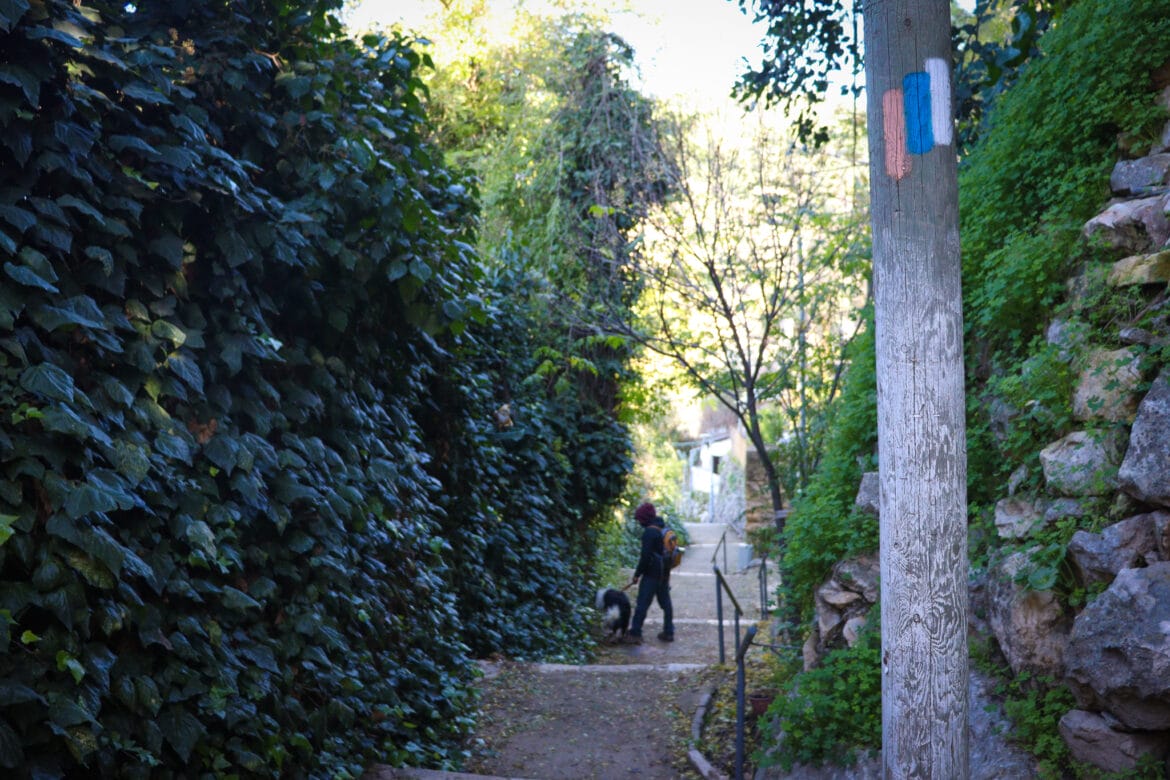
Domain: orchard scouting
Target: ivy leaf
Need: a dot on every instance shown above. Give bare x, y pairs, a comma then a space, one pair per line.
18, 139
178, 157
181, 729
6, 531
19, 218
187, 370
84, 499
131, 461
170, 248
118, 392
420, 270
234, 248
17, 693
101, 255
12, 303
161, 329
201, 537
40, 33
10, 13
28, 277
66, 662
99, 659
48, 381
145, 94
53, 236
80, 310
223, 451
238, 600
120, 143
23, 78
173, 446
64, 712
87, 567
11, 752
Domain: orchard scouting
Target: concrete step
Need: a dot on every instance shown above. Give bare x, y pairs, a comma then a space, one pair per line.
379, 772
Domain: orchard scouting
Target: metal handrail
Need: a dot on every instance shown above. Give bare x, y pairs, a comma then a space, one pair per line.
720, 586
765, 611
740, 684
721, 546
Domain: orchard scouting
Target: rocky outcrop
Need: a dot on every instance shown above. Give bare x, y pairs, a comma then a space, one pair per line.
1145, 470
1029, 625
1093, 739
1017, 517
1108, 386
1131, 226
1114, 654
1118, 654
842, 603
1140, 176
1141, 269
1083, 463
869, 494
1098, 558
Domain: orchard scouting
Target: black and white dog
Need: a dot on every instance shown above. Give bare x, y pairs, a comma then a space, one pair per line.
615, 608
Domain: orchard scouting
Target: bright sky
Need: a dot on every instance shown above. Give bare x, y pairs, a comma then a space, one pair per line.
689, 47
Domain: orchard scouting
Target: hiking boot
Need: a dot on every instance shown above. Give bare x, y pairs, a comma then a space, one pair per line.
630, 639
665, 637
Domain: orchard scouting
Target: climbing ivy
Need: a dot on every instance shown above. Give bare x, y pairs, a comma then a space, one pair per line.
250, 371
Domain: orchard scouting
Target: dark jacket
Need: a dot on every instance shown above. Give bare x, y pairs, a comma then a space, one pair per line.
651, 557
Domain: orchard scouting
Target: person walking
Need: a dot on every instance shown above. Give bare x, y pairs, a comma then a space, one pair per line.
652, 576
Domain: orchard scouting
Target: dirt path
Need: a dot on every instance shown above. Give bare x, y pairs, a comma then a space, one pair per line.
586, 722
629, 714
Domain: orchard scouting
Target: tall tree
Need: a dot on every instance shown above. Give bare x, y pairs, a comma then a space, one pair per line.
921, 422
750, 277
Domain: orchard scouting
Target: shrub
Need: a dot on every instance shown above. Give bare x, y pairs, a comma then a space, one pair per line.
832, 712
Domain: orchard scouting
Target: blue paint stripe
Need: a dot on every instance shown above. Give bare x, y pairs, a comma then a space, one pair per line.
919, 131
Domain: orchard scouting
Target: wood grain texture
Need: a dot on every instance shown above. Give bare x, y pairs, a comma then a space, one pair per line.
921, 413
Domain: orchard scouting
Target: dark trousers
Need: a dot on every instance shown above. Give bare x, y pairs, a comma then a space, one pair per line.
650, 588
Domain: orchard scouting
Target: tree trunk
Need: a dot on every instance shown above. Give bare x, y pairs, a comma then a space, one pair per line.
775, 490
921, 421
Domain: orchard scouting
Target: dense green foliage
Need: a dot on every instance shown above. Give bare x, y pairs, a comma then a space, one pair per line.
567, 151
568, 160
277, 458
1037, 176
824, 526
829, 715
1038, 171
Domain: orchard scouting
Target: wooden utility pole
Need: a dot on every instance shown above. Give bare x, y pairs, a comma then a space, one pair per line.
921, 420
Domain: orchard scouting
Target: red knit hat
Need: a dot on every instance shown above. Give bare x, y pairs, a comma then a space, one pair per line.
645, 513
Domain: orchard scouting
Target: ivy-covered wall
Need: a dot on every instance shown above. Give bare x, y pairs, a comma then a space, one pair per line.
261, 500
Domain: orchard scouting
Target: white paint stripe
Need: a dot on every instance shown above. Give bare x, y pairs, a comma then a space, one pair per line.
621, 668
697, 621
942, 123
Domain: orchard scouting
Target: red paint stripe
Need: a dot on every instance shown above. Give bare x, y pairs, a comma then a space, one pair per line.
894, 132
